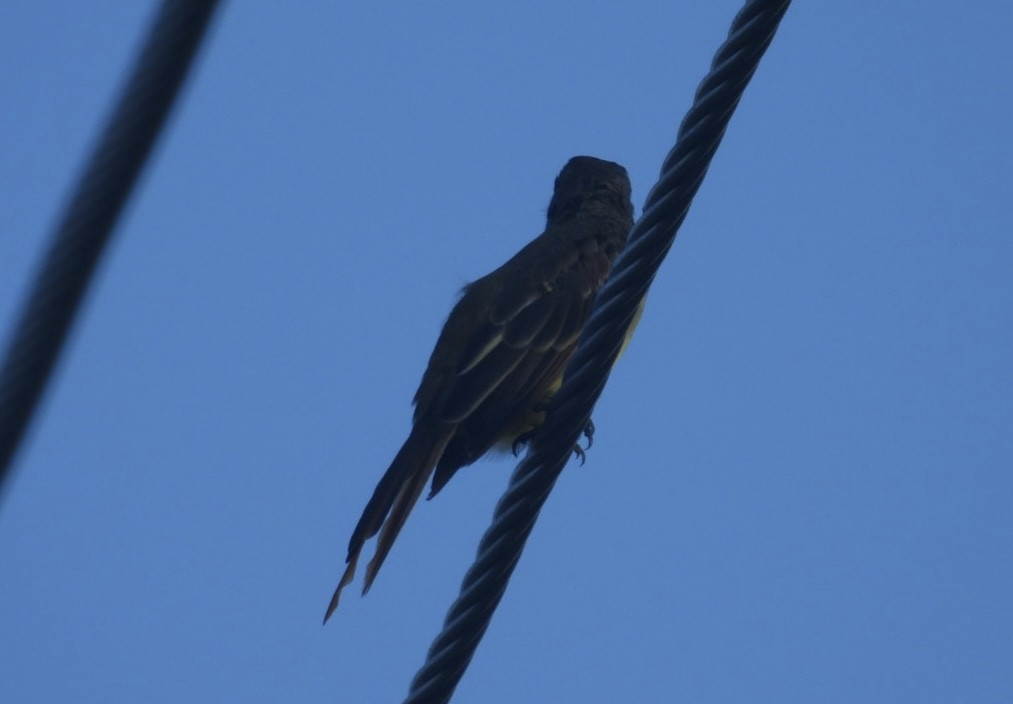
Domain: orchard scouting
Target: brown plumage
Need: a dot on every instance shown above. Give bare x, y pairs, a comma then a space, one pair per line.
503, 350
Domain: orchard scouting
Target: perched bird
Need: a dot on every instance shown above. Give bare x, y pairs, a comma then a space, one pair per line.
503, 350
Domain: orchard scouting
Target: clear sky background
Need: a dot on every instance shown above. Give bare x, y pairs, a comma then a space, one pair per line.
801, 485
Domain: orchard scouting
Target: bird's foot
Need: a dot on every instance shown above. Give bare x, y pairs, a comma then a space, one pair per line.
520, 442
581, 452
525, 437
578, 451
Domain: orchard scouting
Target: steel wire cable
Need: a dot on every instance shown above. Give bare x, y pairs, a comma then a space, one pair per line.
90, 216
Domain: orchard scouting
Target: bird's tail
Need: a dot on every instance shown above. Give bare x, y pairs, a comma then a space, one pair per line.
395, 495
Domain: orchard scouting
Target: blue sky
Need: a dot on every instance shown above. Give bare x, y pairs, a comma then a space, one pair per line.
801, 483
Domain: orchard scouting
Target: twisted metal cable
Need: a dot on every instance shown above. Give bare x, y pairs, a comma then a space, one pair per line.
570, 409
91, 214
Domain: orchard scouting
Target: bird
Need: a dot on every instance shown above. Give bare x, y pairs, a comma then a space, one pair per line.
502, 352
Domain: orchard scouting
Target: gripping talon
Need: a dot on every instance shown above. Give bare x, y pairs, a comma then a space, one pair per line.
521, 440
579, 453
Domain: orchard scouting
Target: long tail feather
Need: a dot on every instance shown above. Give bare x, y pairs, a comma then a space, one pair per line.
395, 495
403, 504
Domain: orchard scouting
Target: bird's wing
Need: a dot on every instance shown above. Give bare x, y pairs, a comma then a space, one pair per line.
517, 351
538, 301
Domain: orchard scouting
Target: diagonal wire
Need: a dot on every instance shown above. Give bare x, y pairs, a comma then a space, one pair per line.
570, 410
90, 216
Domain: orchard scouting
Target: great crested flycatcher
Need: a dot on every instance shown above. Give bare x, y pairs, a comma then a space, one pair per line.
503, 350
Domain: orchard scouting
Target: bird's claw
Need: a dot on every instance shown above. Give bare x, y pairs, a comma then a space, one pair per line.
519, 442
581, 452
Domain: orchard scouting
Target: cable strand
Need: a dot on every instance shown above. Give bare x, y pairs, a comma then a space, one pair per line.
90, 216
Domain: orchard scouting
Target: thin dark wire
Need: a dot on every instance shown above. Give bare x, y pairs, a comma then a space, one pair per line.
91, 214
652, 236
